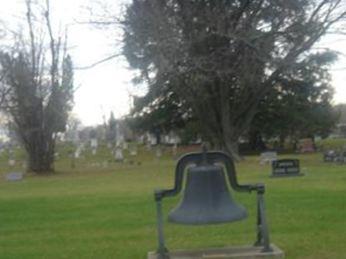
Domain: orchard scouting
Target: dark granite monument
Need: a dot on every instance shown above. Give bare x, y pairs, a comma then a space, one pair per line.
285, 168
330, 156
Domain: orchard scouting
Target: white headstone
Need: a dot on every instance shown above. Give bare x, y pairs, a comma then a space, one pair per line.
94, 151
133, 151
268, 157
118, 154
152, 141
158, 152
76, 154
93, 143
11, 162
24, 165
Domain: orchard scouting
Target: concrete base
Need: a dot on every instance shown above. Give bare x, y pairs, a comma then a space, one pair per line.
285, 175
244, 252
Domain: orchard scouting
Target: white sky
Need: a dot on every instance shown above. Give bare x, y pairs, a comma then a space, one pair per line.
106, 87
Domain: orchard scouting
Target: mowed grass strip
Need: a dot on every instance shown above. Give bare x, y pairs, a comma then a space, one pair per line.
91, 212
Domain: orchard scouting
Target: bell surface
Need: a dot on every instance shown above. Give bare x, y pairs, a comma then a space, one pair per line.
206, 199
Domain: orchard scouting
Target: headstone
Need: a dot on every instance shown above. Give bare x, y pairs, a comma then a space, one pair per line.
119, 157
306, 145
11, 162
340, 157
94, 151
125, 145
104, 164
133, 151
158, 152
14, 176
286, 167
77, 153
153, 141
268, 157
24, 165
330, 156
93, 143
81, 146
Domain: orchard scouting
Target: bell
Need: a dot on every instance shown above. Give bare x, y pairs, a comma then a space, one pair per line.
206, 198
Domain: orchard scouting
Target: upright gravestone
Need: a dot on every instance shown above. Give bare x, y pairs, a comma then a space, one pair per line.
153, 141
77, 153
104, 164
11, 162
93, 143
118, 154
158, 152
330, 156
341, 157
24, 165
306, 145
148, 146
268, 157
133, 150
11, 159
285, 168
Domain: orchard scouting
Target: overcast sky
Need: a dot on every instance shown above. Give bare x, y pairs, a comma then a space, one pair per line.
107, 87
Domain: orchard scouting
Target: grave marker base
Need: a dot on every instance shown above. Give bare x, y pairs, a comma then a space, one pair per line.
285, 175
244, 252
14, 176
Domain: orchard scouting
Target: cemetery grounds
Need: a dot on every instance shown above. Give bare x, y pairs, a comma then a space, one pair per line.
103, 209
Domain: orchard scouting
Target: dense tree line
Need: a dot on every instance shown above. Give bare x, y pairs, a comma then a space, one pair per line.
218, 61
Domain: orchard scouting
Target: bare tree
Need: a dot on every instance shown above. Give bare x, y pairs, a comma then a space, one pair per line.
37, 86
222, 57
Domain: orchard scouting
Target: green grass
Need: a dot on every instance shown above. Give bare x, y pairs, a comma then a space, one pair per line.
93, 211
331, 143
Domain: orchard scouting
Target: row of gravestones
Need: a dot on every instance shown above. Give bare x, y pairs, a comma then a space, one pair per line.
280, 168
335, 156
116, 152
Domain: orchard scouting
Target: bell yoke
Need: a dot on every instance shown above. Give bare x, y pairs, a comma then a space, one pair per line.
206, 198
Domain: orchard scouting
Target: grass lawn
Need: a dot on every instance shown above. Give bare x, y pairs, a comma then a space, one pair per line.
99, 211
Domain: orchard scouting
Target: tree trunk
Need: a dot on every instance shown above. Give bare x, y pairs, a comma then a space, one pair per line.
282, 141
40, 164
232, 148
40, 150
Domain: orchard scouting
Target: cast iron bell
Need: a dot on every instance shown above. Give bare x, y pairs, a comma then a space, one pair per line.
206, 198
